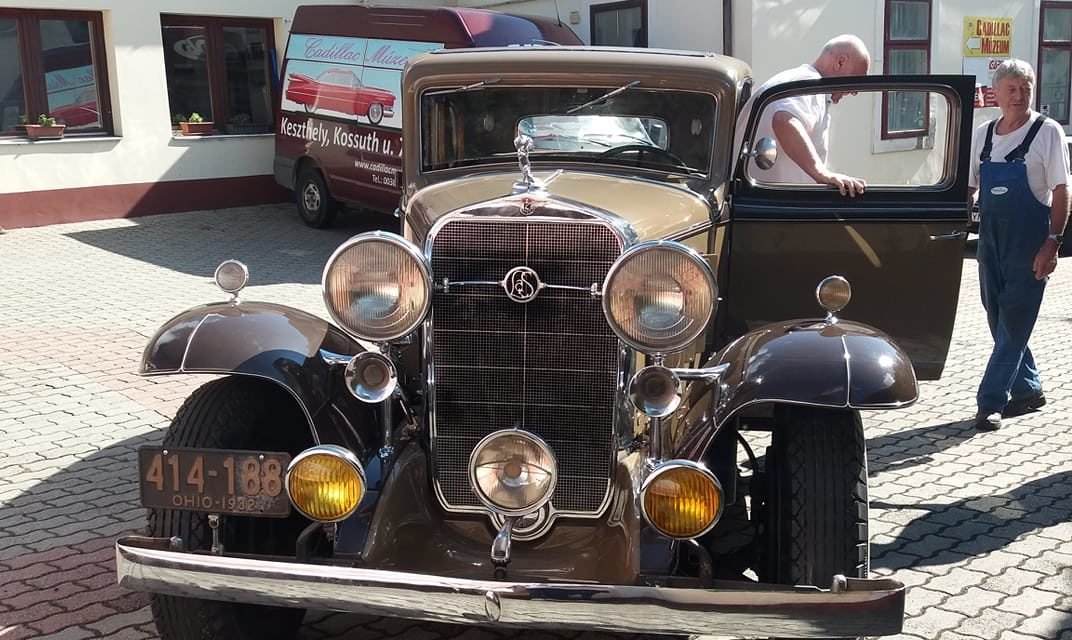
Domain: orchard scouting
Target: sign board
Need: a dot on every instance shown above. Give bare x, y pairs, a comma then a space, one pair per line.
987, 37
983, 71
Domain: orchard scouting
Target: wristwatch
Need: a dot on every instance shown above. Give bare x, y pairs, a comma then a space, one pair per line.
1057, 238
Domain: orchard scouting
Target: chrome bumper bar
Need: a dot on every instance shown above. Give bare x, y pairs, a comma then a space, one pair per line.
854, 607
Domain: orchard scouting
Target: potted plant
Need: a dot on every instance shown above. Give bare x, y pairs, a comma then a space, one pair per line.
45, 129
242, 124
195, 125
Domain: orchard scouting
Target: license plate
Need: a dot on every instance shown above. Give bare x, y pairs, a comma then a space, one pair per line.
222, 481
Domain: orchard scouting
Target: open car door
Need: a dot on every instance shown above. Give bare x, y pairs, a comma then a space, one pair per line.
900, 243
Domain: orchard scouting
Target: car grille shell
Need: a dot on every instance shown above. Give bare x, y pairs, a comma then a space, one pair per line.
548, 366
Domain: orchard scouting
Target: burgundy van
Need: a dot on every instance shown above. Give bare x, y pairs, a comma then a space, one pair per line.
339, 136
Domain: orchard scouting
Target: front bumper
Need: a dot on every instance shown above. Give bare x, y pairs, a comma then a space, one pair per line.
855, 608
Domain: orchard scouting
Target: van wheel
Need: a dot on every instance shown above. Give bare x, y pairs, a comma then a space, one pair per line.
315, 205
375, 113
816, 505
229, 413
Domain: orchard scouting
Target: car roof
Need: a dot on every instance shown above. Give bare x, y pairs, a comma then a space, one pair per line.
562, 65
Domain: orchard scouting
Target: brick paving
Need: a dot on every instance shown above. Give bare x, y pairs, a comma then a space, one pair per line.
978, 525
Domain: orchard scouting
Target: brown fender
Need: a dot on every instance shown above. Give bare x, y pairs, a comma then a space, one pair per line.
264, 340
806, 362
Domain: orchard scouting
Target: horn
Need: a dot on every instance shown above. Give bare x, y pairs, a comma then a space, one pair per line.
371, 377
655, 391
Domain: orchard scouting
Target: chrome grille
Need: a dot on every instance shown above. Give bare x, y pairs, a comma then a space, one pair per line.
548, 366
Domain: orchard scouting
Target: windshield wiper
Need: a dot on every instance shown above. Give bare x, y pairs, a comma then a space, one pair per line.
605, 96
469, 87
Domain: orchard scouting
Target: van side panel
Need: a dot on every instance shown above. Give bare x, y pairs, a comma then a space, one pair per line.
340, 106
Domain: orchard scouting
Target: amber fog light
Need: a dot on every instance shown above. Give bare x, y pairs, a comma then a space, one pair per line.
325, 483
513, 472
681, 499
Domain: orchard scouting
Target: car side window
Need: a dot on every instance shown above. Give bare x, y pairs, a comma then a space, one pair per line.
845, 134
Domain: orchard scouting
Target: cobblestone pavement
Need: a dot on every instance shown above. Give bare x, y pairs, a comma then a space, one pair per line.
978, 525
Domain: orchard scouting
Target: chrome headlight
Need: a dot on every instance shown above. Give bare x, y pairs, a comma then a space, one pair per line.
326, 483
513, 472
659, 296
378, 286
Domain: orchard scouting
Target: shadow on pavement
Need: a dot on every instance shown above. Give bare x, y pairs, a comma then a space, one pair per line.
903, 449
195, 243
972, 527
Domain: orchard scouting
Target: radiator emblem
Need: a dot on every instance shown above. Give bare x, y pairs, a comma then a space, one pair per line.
521, 284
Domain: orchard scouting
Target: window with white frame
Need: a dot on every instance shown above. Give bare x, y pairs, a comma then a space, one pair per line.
53, 63
1055, 60
220, 68
620, 24
906, 49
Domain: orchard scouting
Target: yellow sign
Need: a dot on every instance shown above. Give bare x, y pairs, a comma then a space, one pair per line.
987, 37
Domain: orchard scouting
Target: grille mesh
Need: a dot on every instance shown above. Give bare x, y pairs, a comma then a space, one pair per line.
548, 366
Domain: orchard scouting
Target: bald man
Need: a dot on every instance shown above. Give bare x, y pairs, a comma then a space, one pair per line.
801, 124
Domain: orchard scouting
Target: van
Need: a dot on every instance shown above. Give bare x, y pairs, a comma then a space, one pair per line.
339, 136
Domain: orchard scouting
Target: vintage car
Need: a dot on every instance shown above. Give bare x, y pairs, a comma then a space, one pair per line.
340, 90
590, 388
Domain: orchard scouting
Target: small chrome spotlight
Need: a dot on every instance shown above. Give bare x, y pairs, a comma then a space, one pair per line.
513, 472
371, 377
655, 391
833, 293
231, 276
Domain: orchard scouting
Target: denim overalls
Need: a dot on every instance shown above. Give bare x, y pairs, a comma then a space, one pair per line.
1013, 226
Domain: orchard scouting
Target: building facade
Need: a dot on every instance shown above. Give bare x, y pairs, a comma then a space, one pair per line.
121, 74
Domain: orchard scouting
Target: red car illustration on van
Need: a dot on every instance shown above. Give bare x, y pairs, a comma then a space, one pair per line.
342, 91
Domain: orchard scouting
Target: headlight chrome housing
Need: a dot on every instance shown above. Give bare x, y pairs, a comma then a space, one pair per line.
378, 286
513, 472
659, 296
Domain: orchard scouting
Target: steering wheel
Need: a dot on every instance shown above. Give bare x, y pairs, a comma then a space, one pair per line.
641, 150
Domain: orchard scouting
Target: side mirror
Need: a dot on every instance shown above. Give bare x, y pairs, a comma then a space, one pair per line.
765, 153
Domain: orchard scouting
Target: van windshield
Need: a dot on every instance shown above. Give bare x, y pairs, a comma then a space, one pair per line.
658, 130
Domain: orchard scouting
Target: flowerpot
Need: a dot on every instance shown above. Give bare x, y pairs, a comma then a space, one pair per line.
41, 132
196, 128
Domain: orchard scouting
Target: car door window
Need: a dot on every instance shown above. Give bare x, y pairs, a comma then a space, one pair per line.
900, 243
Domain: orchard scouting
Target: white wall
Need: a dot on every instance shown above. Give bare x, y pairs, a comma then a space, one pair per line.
144, 149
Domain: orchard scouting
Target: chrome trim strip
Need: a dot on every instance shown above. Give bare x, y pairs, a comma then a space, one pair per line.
855, 607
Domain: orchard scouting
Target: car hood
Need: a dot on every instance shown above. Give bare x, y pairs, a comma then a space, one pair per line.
653, 210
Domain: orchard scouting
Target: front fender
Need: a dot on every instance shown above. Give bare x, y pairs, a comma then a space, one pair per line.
259, 339
846, 365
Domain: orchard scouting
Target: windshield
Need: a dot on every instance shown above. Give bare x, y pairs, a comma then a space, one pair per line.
660, 130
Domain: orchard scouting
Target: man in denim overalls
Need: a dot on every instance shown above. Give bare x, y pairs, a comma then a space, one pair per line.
1020, 175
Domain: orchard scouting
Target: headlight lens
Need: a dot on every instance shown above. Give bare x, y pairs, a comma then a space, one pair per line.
378, 286
659, 296
325, 483
513, 472
681, 499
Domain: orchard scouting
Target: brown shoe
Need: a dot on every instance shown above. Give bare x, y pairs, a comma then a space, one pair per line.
988, 421
1020, 406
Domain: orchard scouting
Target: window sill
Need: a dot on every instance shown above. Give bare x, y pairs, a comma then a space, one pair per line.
220, 136
67, 139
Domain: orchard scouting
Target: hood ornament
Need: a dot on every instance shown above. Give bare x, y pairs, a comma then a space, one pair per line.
528, 182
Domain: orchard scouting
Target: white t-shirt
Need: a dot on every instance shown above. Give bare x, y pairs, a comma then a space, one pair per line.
813, 111
1046, 158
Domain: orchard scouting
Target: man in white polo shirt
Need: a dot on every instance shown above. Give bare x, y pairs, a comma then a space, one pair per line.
801, 124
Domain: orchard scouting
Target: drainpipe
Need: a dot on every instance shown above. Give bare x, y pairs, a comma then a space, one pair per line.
727, 27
